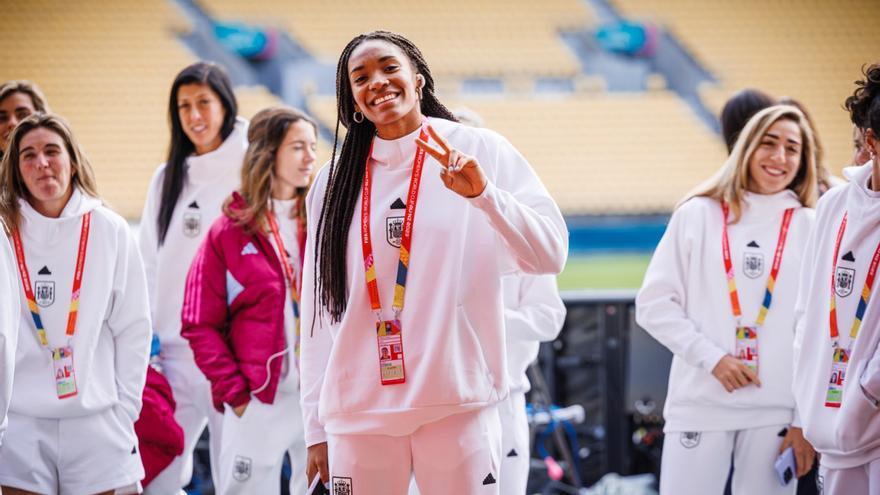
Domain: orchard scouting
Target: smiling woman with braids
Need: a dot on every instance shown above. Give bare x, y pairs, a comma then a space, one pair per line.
424, 285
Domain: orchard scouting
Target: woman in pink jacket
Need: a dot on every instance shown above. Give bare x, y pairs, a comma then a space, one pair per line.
240, 311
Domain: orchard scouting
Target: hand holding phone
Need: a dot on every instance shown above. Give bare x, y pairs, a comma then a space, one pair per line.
786, 468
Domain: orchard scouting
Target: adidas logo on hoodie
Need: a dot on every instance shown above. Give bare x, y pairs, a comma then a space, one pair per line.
249, 249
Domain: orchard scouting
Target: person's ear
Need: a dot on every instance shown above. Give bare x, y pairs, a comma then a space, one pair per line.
872, 142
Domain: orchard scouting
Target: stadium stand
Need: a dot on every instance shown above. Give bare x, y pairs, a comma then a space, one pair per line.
107, 66
811, 51
520, 39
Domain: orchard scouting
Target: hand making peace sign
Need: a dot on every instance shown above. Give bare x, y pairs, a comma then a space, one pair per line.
461, 173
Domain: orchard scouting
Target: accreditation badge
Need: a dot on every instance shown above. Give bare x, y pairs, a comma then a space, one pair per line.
390, 344
839, 362
65, 377
747, 346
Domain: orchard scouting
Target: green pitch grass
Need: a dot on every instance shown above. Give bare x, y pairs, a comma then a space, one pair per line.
624, 271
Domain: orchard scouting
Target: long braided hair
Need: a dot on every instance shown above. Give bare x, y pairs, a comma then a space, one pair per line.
346, 173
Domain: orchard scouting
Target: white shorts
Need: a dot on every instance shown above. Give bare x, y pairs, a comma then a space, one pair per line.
458, 454
71, 456
863, 479
697, 463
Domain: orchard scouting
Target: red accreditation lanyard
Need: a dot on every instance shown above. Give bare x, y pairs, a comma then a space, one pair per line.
77, 281
866, 292
406, 238
288, 274
840, 355
774, 271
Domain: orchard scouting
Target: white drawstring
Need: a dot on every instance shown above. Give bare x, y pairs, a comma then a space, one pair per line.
268, 371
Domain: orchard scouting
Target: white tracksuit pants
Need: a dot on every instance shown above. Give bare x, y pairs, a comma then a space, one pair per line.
195, 409
458, 454
864, 479
514, 444
515, 452
698, 463
253, 446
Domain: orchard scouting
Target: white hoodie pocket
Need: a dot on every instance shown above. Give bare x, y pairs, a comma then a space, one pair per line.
456, 367
445, 368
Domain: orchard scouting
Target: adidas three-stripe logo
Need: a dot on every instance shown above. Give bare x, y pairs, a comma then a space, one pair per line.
249, 248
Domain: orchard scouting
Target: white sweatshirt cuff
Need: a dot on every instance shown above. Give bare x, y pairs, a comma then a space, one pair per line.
486, 200
713, 355
796, 419
315, 436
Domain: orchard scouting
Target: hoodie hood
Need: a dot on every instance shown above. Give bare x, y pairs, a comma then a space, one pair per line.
206, 167
395, 153
860, 176
235, 207
42, 228
756, 206
862, 205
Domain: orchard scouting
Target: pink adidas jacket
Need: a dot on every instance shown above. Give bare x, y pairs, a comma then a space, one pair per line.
233, 311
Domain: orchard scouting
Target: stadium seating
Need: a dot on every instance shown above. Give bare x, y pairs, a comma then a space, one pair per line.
496, 39
107, 66
811, 51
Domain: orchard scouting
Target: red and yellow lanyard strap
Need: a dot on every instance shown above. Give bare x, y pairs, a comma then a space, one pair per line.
285, 262
77, 281
774, 271
866, 291
406, 238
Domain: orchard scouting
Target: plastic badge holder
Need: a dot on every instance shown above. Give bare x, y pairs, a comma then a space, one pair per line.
785, 466
317, 487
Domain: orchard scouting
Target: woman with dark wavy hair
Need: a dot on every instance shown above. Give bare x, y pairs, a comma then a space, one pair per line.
185, 196
837, 373
427, 406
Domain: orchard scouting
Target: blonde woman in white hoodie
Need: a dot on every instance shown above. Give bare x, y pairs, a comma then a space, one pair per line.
403, 344
208, 143
84, 322
719, 293
837, 374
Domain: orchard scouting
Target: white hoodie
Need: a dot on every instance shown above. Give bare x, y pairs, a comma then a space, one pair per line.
453, 322
684, 303
211, 178
9, 304
111, 345
848, 436
533, 313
